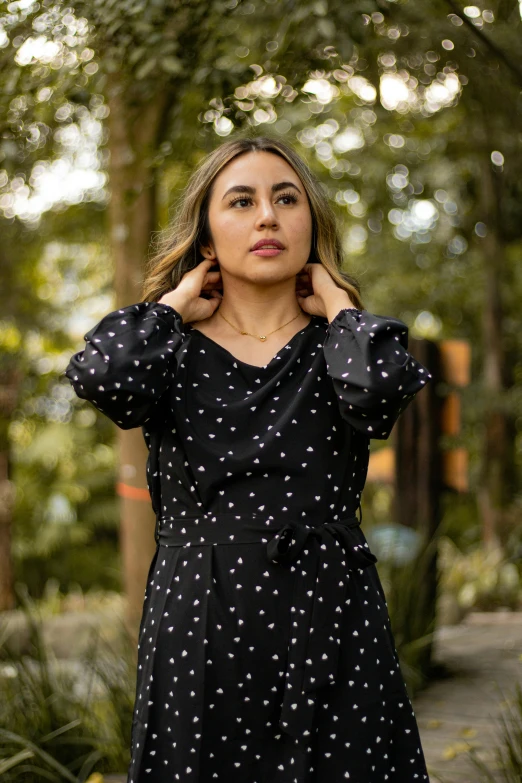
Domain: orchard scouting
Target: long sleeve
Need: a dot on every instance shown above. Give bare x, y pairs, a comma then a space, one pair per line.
128, 362
374, 376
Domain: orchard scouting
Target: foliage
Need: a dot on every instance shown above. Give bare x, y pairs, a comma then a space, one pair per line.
398, 107
481, 578
59, 723
508, 768
408, 596
65, 511
55, 601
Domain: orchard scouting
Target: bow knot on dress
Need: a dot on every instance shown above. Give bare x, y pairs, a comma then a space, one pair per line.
287, 545
324, 556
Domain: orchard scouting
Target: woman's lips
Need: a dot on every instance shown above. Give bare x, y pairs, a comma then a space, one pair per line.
267, 251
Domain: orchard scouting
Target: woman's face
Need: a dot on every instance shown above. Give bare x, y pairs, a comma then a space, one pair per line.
258, 197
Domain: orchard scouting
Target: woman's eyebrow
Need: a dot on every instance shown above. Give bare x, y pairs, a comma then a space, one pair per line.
249, 189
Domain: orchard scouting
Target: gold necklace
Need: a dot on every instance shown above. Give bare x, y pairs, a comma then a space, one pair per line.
261, 337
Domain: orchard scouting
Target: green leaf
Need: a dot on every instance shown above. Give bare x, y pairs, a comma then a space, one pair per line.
30, 746
171, 65
326, 27
7, 764
147, 67
72, 725
136, 55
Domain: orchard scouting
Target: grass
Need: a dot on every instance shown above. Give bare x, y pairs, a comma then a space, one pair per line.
61, 721
508, 767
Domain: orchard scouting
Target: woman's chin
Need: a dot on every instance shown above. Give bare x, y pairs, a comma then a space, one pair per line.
269, 271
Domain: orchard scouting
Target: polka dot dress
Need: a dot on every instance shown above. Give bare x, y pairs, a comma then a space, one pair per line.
265, 649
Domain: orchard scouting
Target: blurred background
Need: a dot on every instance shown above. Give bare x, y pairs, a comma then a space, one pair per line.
410, 113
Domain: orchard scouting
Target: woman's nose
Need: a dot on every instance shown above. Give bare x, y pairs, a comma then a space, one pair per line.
267, 214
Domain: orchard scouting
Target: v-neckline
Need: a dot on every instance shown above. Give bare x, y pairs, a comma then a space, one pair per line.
246, 364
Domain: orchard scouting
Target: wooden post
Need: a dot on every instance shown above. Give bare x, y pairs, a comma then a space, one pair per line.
420, 470
418, 485
418, 464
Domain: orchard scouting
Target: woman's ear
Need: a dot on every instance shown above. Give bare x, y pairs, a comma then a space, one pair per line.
207, 251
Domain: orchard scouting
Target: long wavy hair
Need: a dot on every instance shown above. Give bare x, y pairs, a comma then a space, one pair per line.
177, 247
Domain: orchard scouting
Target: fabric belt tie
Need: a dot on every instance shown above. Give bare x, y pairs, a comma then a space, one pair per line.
322, 557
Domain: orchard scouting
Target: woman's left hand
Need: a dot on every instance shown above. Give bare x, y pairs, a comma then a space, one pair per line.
318, 294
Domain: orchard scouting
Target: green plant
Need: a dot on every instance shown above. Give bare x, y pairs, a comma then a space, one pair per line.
58, 721
55, 601
508, 754
410, 591
481, 579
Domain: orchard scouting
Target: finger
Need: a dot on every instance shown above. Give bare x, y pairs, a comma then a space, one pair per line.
211, 279
203, 267
210, 286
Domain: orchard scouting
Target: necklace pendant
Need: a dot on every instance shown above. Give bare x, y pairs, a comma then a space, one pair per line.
262, 337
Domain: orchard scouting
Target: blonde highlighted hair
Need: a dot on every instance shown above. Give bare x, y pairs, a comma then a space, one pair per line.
177, 247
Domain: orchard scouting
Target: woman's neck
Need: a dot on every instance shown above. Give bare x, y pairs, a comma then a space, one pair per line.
260, 316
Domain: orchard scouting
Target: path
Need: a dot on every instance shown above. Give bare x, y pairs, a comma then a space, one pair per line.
484, 655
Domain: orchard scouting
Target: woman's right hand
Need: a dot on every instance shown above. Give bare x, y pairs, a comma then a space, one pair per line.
186, 298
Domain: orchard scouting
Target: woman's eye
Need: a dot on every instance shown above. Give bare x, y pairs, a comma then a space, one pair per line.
290, 199
237, 200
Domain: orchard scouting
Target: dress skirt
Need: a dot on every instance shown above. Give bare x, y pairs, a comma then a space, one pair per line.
284, 669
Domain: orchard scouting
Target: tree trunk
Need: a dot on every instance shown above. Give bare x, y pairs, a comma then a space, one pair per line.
7, 597
10, 380
497, 456
135, 129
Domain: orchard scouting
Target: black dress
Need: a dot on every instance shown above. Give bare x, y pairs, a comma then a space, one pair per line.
265, 650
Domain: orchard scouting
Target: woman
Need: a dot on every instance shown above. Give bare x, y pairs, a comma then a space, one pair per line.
265, 650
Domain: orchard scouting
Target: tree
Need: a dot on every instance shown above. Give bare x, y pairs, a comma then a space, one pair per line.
171, 79
142, 57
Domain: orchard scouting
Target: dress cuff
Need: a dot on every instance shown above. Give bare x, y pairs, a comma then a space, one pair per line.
351, 310
165, 309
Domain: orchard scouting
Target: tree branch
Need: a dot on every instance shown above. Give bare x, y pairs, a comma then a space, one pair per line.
491, 45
